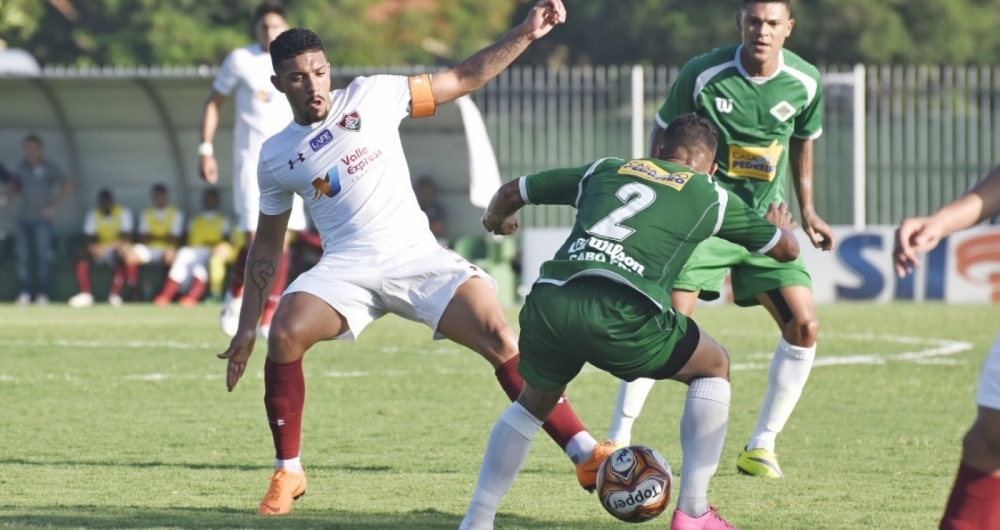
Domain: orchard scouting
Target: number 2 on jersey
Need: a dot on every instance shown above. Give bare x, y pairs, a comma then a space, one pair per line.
636, 198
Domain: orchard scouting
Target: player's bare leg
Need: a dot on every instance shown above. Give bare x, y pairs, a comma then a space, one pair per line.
631, 396
475, 320
301, 321
792, 308
974, 502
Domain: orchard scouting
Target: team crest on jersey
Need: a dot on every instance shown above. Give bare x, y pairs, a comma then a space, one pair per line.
647, 170
724, 105
350, 122
755, 162
328, 185
263, 95
783, 111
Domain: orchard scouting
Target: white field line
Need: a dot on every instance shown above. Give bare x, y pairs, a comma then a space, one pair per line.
934, 351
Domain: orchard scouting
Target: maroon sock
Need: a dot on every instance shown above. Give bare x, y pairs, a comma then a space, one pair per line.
562, 425
974, 503
170, 288
131, 275
280, 281
284, 398
83, 275
117, 279
197, 289
239, 271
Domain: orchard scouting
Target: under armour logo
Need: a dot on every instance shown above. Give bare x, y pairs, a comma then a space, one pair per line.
724, 105
291, 162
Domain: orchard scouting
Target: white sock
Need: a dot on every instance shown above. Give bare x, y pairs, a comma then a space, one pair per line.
631, 397
292, 464
703, 433
580, 447
509, 442
787, 376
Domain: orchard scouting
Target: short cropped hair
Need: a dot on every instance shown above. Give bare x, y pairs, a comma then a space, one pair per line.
159, 187
33, 138
292, 43
268, 7
787, 3
104, 193
690, 131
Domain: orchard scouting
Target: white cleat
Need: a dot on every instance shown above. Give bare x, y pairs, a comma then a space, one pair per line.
81, 300
42, 300
229, 317
23, 299
115, 300
264, 331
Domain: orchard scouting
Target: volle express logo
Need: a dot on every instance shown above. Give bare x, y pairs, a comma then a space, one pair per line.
328, 186
350, 122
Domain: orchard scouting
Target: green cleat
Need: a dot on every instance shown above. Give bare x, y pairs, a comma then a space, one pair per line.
759, 463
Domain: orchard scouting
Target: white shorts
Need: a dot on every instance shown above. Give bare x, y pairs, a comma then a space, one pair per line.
988, 394
416, 285
147, 254
109, 257
246, 199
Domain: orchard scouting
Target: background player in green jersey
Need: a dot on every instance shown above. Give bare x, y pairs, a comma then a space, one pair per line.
767, 104
604, 299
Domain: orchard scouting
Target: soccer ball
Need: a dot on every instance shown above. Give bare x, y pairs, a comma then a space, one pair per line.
633, 484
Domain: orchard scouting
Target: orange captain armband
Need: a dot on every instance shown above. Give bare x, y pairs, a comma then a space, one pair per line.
421, 96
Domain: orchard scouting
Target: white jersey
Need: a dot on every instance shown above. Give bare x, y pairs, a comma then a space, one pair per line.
261, 110
351, 170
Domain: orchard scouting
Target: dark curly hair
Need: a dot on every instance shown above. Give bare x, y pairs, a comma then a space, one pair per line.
293, 43
690, 130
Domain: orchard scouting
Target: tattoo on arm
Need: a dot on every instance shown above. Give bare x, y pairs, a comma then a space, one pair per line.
261, 272
491, 60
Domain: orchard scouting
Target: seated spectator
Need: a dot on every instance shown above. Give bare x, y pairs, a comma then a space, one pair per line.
208, 235
107, 228
41, 189
436, 215
160, 229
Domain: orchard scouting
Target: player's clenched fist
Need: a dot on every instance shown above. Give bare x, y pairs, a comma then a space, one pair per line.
546, 15
914, 236
499, 225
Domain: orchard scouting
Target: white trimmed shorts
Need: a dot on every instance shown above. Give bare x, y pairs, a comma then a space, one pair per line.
149, 254
988, 394
246, 199
417, 285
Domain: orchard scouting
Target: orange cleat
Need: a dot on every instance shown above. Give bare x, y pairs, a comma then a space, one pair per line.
285, 488
161, 301
188, 301
586, 472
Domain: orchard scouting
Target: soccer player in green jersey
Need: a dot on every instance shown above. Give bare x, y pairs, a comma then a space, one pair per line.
766, 103
604, 299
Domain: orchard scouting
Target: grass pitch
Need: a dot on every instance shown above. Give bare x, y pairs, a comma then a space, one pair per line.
119, 418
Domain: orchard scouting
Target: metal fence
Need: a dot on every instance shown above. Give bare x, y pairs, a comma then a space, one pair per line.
898, 140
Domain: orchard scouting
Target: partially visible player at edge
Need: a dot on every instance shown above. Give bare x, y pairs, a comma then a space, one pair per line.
767, 104
343, 154
604, 299
974, 503
260, 112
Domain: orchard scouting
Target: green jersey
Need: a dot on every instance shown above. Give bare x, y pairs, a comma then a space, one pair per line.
638, 221
756, 117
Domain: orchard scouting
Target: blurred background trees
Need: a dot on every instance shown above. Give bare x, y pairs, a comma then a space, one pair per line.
391, 32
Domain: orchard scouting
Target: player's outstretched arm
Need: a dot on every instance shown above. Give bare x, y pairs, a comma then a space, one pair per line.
475, 71
262, 264
208, 168
916, 235
787, 247
499, 217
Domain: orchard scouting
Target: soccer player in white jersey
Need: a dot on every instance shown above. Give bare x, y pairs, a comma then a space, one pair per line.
974, 503
343, 154
260, 112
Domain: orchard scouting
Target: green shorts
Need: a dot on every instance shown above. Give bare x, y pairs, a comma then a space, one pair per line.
602, 322
752, 274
